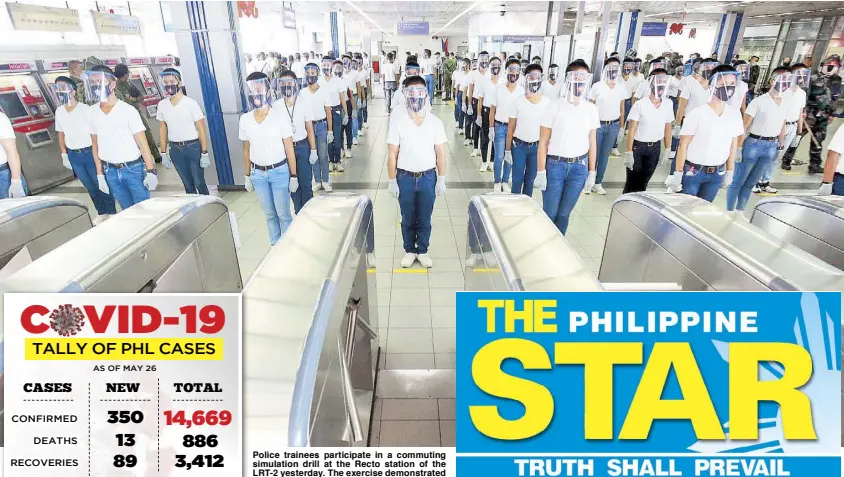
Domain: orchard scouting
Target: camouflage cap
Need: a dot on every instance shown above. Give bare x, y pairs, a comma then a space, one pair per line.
91, 62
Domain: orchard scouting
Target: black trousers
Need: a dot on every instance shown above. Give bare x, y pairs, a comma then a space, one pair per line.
475, 128
645, 160
347, 129
469, 119
484, 133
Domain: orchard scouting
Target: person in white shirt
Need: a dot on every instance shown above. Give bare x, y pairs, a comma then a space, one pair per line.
643, 90
315, 97
708, 141
416, 169
568, 144
476, 91
363, 113
458, 80
739, 100
674, 87
551, 87
12, 182
833, 169
650, 125
764, 122
269, 160
388, 79
428, 66
335, 94
399, 102
261, 64
298, 69
609, 95
300, 114
118, 139
695, 92
506, 94
350, 76
520, 147
626, 80
486, 98
182, 132
73, 125
468, 110
795, 125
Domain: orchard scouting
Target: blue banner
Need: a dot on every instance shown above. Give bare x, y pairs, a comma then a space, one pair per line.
413, 28
654, 29
673, 383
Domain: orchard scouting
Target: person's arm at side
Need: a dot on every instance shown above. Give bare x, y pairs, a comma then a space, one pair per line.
62, 146
747, 120
392, 160
247, 164
511, 129
95, 151
593, 149
343, 98
622, 118
781, 141
291, 154
731, 160
492, 109
162, 131
200, 129
682, 149
542, 148
309, 127
631, 133
328, 119
439, 149
141, 141
667, 144
12, 157
681, 110
830, 166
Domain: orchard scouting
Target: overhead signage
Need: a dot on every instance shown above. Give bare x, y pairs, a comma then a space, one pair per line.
137, 61
288, 16
111, 24
414, 28
50, 65
521, 38
111, 62
36, 17
17, 66
654, 29
163, 60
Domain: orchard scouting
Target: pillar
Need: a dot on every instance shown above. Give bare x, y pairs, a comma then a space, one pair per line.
214, 74
729, 35
628, 32
335, 33
601, 41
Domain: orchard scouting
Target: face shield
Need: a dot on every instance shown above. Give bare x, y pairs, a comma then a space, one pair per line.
723, 85
65, 92
577, 86
627, 67
523, 65
533, 83
829, 68
98, 85
656, 65
637, 66
706, 68
326, 67
474, 65
802, 77
259, 94
356, 64
483, 61
171, 83
495, 67
286, 87
347, 63
311, 73
553, 73
782, 82
659, 86
513, 72
411, 71
338, 70
466, 66
416, 98
744, 71
610, 73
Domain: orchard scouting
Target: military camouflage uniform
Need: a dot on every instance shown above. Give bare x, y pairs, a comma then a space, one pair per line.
448, 68
820, 106
124, 91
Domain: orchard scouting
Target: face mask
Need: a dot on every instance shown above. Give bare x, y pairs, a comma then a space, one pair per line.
512, 77
658, 90
171, 89
65, 97
706, 73
828, 70
415, 104
552, 75
311, 79
288, 90
326, 70
102, 91
258, 100
495, 69
724, 93
347, 64
533, 86
338, 72
612, 74
465, 67
483, 65
628, 69
801, 78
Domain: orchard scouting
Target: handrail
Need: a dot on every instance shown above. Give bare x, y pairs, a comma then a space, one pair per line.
14, 208
832, 205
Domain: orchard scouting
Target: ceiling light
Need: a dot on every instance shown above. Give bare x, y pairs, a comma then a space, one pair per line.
368, 18
458, 16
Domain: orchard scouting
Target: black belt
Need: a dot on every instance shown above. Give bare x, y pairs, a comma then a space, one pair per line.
502, 123
653, 143
300, 142
706, 169
762, 138
183, 143
271, 167
4, 167
416, 175
568, 160
121, 165
524, 143
79, 150
607, 123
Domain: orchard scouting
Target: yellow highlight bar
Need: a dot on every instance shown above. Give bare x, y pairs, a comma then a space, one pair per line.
133, 349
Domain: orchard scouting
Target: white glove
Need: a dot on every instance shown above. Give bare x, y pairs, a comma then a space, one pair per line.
478, 121
738, 154
66, 161
491, 135
150, 181
628, 160
469, 110
330, 137
796, 141
672, 154
313, 157
508, 157
294, 184
728, 179
675, 131
664, 156
825, 189
541, 181
247, 182
364, 103
620, 134
393, 188
204, 160
165, 159
16, 189
440, 185
360, 104
102, 184
674, 182
590, 180
345, 120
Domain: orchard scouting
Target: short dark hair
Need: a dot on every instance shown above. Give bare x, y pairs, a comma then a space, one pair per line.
739, 62
723, 69
537, 57
483, 53
553, 65
172, 71
612, 59
103, 69
781, 69
577, 65
411, 65
512, 61
614, 53
256, 75
533, 67
754, 56
413, 80
121, 70
658, 71
65, 79
798, 66
288, 74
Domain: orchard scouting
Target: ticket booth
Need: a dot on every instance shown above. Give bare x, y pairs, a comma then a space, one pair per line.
141, 76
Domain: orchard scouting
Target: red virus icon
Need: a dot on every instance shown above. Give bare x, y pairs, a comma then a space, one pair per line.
67, 320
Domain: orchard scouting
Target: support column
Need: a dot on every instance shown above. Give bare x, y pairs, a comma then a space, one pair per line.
601, 41
729, 35
335, 34
628, 32
213, 73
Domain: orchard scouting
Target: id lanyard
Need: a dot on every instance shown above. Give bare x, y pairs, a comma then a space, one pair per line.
291, 113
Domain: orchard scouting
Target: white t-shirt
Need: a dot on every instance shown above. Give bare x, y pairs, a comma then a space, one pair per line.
76, 126
674, 85
298, 69
651, 120
398, 102
389, 72
416, 142
768, 116
627, 83
333, 90
711, 134
6, 132
464, 81
504, 99
316, 102
738, 97
551, 91
635, 81
608, 100
457, 78
696, 96
116, 131
180, 119
266, 140
351, 78
837, 144
643, 90
570, 127
528, 117
795, 102
476, 78
296, 115
427, 66
489, 90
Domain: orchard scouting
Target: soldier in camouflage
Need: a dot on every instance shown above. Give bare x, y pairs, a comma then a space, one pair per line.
824, 89
128, 93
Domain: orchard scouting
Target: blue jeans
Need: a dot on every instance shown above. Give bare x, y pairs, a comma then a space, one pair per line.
607, 136
273, 190
349, 128
458, 109
429, 82
320, 169
186, 160
756, 157
524, 168
127, 183
304, 172
416, 202
6, 182
337, 126
498, 149
838, 184
82, 162
389, 88
699, 183
565, 184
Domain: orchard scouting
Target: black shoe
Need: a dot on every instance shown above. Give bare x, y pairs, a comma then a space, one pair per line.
815, 169
786, 167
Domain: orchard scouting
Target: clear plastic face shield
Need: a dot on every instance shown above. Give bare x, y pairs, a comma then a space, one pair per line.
533, 83
523, 64
416, 97
286, 87
327, 65
259, 94
659, 86
782, 82
411, 71
357, 64
65, 92
627, 68
483, 62
98, 85
802, 77
610, 73
513, 72
311, 73
347, 63
830, 67
170, 81
467, 66
637, 66
577, 86
553, 73
706, 68
744, 71
474, 65
656, 65
338, 70
723, 85
495, 67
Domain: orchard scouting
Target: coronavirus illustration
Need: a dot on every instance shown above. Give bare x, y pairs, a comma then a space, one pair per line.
67, 320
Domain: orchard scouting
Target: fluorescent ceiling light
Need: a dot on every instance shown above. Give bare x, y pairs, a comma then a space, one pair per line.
458, 16
364, 14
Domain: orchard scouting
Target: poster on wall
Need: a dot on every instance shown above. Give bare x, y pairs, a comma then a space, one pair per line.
35, 17
110, 24
288, 17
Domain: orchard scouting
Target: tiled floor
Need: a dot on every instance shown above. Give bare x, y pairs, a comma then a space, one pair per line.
417, 314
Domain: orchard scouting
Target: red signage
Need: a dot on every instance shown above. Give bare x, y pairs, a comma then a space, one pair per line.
138, 61
57, 65
111, 62
163, 60
19, 66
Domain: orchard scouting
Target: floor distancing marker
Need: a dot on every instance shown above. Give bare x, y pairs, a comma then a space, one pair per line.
486, 270
410, 270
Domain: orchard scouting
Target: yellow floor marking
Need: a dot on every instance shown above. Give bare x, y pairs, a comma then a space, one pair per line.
486, 270
410, 270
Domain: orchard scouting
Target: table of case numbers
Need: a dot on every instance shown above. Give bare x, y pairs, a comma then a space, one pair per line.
114, 385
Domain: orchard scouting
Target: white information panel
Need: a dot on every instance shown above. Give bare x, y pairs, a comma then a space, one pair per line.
107, 385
